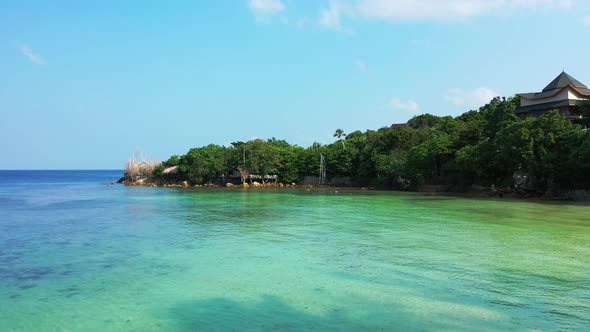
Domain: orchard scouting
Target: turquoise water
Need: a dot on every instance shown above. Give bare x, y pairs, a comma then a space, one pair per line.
76, 255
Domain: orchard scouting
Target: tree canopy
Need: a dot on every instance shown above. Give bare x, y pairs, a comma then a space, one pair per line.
485, 146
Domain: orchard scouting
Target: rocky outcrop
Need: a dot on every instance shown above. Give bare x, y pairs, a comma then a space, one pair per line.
525, 183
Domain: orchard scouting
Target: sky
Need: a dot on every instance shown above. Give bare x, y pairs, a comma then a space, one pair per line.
85, 84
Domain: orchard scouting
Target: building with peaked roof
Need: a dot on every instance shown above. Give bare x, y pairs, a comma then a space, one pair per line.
399, 125
564, 93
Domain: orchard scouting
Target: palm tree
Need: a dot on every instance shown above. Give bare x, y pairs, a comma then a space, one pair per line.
340, 133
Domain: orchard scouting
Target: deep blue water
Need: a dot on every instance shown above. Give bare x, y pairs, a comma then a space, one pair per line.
36, 178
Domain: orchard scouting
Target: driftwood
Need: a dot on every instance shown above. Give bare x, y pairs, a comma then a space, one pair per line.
138, 167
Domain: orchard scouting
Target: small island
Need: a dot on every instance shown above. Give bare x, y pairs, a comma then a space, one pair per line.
529, 145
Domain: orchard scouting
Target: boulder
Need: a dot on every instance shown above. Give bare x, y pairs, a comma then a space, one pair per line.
229, 185
246, 185
525, 181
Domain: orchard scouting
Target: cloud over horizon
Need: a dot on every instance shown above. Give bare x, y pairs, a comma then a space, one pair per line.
408, 105
473, 99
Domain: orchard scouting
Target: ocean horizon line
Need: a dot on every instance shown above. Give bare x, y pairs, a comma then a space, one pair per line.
60, 170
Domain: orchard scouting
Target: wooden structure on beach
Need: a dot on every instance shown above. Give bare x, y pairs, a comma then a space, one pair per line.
170, 173
263, 178
170, 170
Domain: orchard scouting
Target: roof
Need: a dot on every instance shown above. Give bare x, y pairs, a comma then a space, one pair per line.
550, 105
550, 93
398, 125
539, 95
170, 170
563, 80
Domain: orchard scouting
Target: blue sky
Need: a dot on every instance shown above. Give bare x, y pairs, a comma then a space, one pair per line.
83, 86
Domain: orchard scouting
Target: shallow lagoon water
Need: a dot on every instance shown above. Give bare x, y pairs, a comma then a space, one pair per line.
79, 256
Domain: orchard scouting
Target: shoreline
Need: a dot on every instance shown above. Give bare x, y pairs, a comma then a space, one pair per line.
435, 190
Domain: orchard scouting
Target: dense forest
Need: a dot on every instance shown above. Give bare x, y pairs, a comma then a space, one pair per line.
485, 147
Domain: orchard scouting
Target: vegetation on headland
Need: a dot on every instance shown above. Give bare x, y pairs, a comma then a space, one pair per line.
490, 146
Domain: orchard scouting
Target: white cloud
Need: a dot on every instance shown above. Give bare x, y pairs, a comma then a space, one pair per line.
266, 7
34, 58
449, 10
428, 10
423, 10
543, 4
330, 17
586, 21
408, 105
473, 98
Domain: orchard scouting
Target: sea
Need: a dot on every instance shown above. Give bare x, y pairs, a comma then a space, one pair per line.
79, 254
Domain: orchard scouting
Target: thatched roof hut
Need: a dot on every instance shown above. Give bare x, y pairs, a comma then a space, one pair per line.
170, 170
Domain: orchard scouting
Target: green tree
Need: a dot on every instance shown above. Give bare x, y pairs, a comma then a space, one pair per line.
485, 146
428, 158
584, 111
498, 114
339, 134
203, 164
172, 161
424, 121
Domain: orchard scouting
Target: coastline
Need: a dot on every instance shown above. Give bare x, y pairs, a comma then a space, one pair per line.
473, 191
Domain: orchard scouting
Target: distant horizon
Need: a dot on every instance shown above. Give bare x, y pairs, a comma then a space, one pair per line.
87, 85
61, 170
